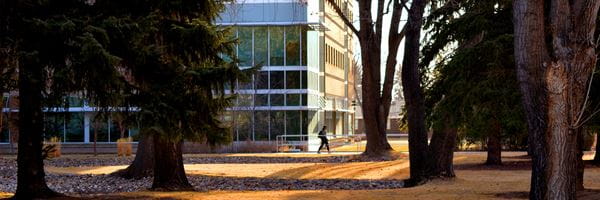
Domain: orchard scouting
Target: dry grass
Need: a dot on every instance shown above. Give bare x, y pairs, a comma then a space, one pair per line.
474, 180
124, 147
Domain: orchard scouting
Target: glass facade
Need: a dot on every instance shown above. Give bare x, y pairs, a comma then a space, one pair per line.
275, 103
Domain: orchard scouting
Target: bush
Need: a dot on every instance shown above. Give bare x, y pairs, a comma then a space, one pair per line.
51, 148
124, 147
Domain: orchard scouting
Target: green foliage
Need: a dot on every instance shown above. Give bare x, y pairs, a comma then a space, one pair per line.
161, 58
475, 84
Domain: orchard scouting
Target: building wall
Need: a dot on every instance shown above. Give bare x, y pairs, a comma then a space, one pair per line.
302, 85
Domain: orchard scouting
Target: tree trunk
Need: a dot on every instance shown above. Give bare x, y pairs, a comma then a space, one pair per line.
169, 173
143, 164
580, 162
31, 182
530, 53
411, 83
562, 140
494, 145
597, 154
441, 149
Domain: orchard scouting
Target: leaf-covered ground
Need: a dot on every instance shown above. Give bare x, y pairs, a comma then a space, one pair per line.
299, 176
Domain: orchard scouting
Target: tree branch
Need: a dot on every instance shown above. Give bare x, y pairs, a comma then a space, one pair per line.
394, 40
342, 15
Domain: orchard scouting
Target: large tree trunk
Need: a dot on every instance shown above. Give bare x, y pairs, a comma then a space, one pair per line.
530, 52
580, 162
441, 150
411, 83
494, 146
143, 164
597, 154
31, 182
169, 173
554, 64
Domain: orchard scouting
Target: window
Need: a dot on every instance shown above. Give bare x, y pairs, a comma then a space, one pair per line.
262, 81
54, 125
277, 80
261, 100
304, 76
4, 134
74, 125
292, 100
292, 125
304, 99
277, 100
99, 127
303, 44
244, 125
292, 79
261, 46
276, 45
245, 46
245, 84
277, 123
261, 125
292, 46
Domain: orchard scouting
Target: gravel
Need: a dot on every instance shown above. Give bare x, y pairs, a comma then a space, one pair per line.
83, 161
90, 185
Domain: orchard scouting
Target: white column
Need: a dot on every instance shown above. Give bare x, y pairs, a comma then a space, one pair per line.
86, 127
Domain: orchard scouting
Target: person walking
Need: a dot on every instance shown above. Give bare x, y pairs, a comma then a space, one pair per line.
324, 141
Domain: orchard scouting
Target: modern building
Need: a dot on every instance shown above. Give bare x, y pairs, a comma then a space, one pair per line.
306, 80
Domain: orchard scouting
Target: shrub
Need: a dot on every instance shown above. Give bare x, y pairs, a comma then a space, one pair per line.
124, 147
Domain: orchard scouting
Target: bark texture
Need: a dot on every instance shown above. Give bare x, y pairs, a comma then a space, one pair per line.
597, 154
441, 150
494, 146
555, 54
169, 173
413, 94
31, 182
143, 164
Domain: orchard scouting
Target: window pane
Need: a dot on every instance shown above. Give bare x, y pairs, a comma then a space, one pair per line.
292, 79
304, 47
277, 123
75, 102
292, 122
4, 135
245, 46
244, 125
293, 100
277, 81
304, 80
304, 122
262, 81
261, 100
245, 84
99, 128
74, 132
244, 100
277, 100
304, 99
116, 132
292, 45
276, 43
54, 125
260, 45
261, 125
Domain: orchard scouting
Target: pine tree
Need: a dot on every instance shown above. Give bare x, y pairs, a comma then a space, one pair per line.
174, 56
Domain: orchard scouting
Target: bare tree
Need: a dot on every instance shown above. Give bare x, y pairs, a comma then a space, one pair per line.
376, 100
